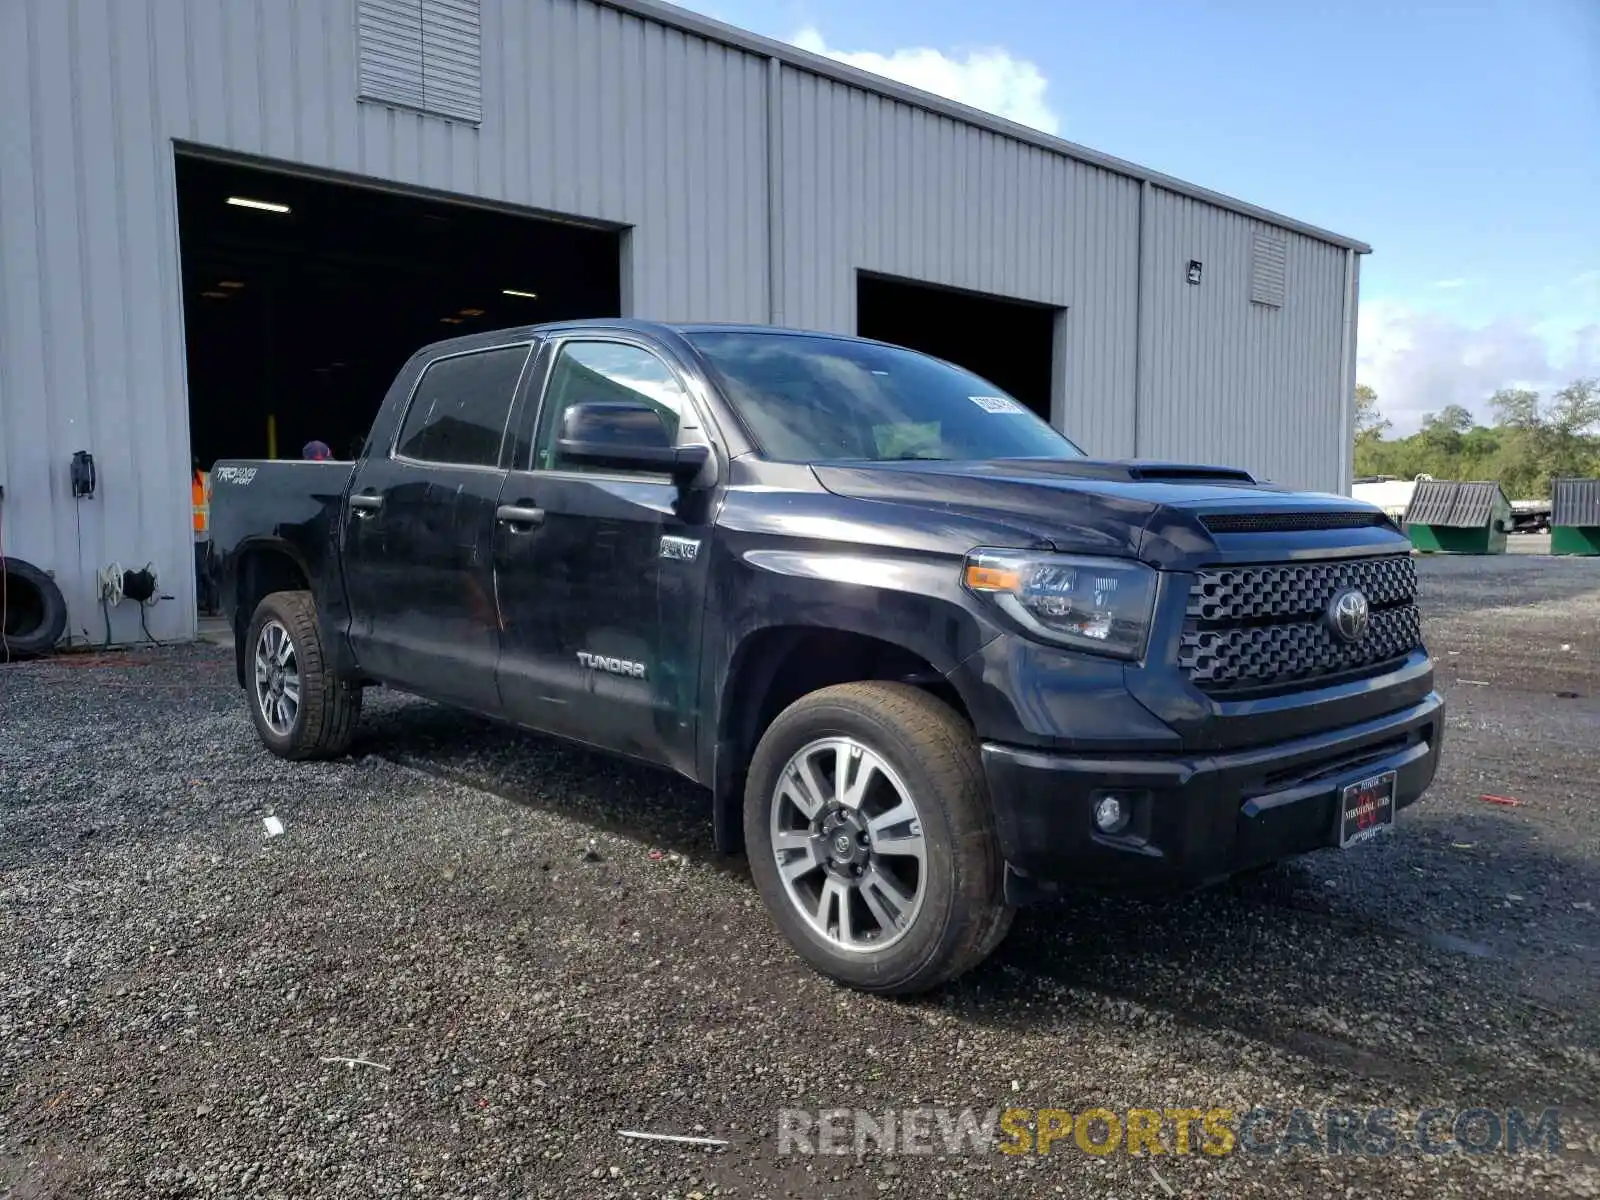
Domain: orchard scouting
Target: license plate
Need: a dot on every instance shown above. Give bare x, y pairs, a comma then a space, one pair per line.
1366, 808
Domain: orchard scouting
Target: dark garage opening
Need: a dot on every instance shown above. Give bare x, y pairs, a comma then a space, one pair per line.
1008, 342
300, 305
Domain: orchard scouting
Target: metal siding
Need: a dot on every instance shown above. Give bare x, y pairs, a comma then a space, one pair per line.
389, 61
867, 183
1456, 504
452, 59
1269, 254
1237, 383
97, 91
598, 114
1575, 502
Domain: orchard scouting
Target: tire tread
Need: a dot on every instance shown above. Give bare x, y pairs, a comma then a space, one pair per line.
944, 745
330, 707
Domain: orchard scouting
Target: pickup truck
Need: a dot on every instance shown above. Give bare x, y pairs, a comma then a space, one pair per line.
931, 660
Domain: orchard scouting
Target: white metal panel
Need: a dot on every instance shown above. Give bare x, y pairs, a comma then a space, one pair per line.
595, 112
89, 340
1268, 264
452, 59
1234, 382
866, 183
389, 58
587, 112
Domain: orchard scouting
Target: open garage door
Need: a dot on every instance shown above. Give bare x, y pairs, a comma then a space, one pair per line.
1011, 343
302, 297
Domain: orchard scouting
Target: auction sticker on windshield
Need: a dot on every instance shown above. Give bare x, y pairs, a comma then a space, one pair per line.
997, 404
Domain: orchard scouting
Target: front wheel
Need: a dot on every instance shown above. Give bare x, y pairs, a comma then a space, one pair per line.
300, 708
871, 838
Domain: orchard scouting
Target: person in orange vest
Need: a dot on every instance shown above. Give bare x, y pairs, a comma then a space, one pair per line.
200, 501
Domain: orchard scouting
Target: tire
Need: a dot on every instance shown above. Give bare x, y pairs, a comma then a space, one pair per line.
325, 708
945, 910
35, 613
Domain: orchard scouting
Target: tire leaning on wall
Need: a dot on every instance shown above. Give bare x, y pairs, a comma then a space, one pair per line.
35, 612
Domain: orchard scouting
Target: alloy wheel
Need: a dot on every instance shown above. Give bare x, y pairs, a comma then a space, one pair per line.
849, 844
277, 678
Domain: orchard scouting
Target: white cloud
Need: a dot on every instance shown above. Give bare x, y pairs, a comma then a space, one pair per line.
1419, 361
1450, 284
987, 78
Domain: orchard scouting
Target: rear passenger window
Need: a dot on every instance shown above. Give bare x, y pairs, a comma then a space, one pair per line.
458, 414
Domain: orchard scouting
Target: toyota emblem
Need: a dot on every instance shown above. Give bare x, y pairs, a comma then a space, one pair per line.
1349, 615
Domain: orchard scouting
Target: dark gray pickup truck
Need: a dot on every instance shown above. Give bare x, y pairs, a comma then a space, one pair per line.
930, 659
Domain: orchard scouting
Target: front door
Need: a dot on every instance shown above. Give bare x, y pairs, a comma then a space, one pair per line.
420, 528
601, 572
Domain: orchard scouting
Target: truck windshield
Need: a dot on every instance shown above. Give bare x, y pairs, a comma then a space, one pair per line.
819, 399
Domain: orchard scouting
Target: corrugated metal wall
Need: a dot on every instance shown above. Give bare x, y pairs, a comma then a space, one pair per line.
611, 117
587, 112
869, 183
1229, 381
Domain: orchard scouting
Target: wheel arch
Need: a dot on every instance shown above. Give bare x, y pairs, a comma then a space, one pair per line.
260, 567
773, 666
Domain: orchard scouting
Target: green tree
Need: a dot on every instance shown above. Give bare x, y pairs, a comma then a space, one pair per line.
1371, 424
1442, 431
1518, 408
1531, 442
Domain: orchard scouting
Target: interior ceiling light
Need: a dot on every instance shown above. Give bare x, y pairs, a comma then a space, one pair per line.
449, 320
472, 312
524, 295
263, 205
215, 295
229, 283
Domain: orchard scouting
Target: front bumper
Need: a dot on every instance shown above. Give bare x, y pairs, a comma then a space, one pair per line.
1197, 819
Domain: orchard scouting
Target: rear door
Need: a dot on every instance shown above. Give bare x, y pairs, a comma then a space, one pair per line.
419, 532
602, 593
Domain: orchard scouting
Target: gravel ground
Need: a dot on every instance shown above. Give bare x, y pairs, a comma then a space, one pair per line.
538, 947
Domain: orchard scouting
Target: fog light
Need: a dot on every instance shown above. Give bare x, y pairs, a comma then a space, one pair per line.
1110, 814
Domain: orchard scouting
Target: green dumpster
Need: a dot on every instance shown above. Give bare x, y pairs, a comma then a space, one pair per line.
1452, 516
1575, 516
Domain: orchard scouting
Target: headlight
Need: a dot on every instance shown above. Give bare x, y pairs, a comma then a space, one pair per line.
1101, 605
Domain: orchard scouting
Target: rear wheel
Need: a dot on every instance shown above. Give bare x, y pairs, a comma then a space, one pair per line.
300, 709
871, 838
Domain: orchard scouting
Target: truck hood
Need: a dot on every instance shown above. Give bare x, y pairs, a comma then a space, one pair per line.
1168, 514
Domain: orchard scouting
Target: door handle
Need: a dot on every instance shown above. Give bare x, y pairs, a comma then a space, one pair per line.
366, 503
520, 517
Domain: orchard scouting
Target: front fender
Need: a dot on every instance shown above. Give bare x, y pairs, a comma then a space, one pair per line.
911, 600
773, 598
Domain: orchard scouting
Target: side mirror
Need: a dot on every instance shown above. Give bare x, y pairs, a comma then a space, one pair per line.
627, 436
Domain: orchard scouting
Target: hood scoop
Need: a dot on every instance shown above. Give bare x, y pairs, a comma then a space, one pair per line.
1124, 471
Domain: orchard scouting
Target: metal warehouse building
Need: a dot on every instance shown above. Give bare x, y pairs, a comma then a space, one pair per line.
225, 223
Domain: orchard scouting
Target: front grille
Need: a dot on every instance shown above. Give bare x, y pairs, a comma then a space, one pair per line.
1296, 589
1256, 627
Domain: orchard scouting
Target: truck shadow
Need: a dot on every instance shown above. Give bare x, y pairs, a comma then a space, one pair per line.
1403, 965
1363, 964
633, 800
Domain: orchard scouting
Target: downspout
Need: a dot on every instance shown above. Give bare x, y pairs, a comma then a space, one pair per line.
1144, 297
1347, 385
774, 200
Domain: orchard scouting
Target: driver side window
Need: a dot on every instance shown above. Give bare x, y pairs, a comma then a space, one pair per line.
601, 371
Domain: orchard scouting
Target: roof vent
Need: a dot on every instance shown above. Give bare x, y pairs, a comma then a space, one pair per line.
1268, 259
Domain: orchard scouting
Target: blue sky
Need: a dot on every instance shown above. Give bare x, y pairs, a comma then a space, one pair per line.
1461, 140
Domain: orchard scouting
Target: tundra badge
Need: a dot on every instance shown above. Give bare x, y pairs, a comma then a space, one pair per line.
616, 666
